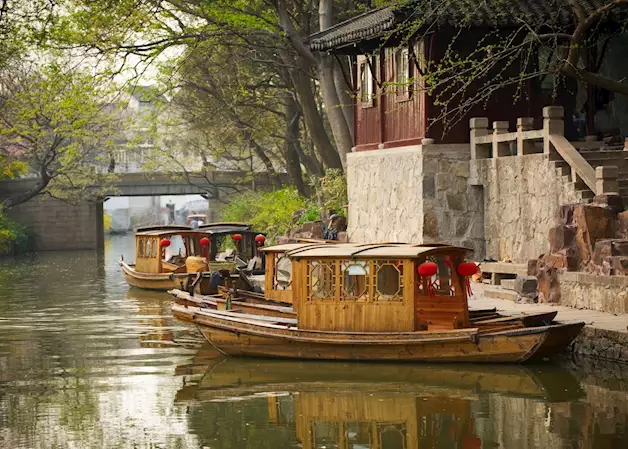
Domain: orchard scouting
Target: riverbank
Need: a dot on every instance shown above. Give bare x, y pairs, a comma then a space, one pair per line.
605, 336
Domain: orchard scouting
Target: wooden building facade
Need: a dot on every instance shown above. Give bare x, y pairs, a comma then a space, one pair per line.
392, 112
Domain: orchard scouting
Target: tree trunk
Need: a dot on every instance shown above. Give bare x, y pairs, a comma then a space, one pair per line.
313, 120
16, 200
292, 142
261, 154
333, 103
342, 76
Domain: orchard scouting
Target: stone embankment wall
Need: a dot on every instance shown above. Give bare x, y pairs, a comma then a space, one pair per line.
594, 292
57, 225
415, 194
522, 196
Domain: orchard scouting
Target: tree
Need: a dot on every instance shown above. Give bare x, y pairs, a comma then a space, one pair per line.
57, 121
562, 42
270, 29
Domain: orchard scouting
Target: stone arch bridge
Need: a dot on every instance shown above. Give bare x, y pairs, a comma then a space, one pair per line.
58, 225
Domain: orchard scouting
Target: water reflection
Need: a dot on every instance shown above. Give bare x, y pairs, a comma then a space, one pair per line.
87, 362
359, 406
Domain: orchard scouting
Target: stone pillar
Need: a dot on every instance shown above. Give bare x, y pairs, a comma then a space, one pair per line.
214, 206
552, 124
479, 128
524, 146
500, 149
606, 179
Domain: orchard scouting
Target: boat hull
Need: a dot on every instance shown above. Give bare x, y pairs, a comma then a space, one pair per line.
241, 337
148, 281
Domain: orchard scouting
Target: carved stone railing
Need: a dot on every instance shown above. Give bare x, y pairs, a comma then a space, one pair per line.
498, 143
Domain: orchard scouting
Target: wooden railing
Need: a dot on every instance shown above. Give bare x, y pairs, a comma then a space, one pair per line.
498, 143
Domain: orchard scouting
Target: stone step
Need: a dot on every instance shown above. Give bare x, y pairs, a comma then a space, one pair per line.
585, 194
500, 293
508, 284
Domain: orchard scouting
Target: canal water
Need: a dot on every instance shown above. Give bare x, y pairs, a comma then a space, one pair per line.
87, 362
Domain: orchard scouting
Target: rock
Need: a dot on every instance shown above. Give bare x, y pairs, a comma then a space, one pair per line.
343, 237
592, 223
618, 265
611, 201
561, 236
430, 223
603, 250
339, 223
548, 285
307, 226
622, 225
565, 214
532, 266
317, 230
563, 260
521, 299
526, 285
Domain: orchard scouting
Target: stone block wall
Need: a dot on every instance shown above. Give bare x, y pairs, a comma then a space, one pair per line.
414, 194
522, 197
57, 225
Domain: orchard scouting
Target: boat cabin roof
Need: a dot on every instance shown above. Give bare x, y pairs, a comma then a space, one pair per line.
166, 232
373, 250
162, 228
236, 226
286, 247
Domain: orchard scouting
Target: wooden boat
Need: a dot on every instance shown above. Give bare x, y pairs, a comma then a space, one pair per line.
151, 270
389, 302
198, 258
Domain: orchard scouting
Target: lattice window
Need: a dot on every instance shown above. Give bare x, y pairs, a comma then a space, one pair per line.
321, 277
282, 279
154, 244
388, 280
393, 435
356, 280
140, 247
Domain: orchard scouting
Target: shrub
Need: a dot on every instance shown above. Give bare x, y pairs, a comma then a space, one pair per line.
14, 238
330, 192
269, 212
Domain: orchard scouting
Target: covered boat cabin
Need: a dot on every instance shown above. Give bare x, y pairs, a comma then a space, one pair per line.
238, 236
375, 287
151, 254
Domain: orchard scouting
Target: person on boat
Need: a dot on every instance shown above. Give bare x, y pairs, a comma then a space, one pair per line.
194, 223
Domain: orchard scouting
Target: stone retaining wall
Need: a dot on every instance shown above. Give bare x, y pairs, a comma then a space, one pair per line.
522, 196
593, 292
58, 225
601, 344
414, 194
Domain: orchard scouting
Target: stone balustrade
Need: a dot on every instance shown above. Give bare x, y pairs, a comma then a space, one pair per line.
550, 141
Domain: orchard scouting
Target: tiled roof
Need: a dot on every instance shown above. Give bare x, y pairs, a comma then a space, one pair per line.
459, 13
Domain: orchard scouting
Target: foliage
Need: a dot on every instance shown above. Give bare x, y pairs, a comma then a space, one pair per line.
312, 213
55, 119
106, 221
270, 212
14, 238
330, 192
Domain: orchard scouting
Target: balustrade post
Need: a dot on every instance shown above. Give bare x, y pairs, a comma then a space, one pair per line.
523, 145
606, 179
552, 124
479, 128
500, 148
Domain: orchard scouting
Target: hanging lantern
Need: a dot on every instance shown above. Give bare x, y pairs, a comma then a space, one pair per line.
260, 239
204, 241
466, 270
237, 237
164, 243
205, 245
427, 269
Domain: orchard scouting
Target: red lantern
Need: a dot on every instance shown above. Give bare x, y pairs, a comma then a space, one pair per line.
164, 243
237, 237
427, 269
260, 239
204, 241
467, 269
